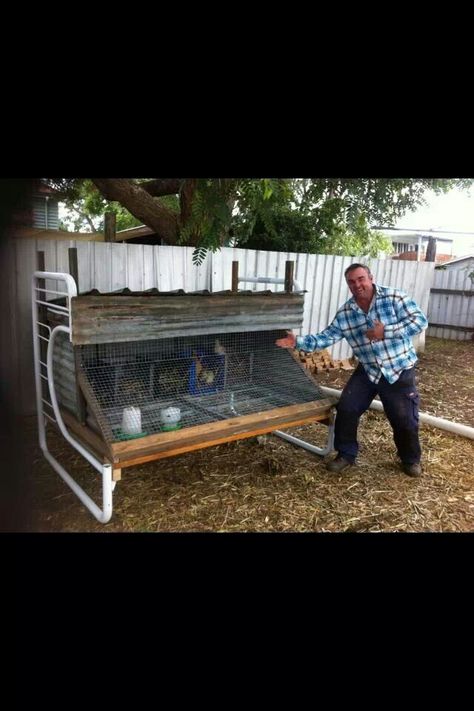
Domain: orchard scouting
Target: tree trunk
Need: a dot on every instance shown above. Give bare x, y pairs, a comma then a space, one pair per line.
431, 250
186, 197
140, 204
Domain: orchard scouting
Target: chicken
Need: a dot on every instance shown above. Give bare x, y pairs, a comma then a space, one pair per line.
207, 376
203, 374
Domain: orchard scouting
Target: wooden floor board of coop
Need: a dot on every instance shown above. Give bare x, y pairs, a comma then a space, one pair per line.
168, 444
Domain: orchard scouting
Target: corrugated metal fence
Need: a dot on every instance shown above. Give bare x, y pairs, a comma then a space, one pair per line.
451, 305
107, 267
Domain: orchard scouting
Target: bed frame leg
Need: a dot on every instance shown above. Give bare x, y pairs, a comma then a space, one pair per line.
104, 514
321, 451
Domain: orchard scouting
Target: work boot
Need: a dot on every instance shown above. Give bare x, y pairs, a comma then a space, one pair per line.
412, 469
338, 464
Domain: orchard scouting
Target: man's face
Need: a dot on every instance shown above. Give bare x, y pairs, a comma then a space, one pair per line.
360, 284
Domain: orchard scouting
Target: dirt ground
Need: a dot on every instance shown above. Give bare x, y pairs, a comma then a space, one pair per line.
266, 484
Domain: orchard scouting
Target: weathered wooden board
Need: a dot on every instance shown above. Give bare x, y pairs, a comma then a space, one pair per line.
169, 444
87, 436
110, 319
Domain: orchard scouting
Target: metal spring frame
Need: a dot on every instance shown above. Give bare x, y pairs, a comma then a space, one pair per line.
104, 514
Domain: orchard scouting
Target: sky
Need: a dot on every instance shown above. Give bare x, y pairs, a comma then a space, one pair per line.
451, 211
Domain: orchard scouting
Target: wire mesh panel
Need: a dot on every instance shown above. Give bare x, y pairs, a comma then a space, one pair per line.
64, 373
147, 387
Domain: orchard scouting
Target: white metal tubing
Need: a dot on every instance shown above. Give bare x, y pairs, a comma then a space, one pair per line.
105, 469
37, 364
71, 289
105, 514
56, 276
102, 515
442, 424
322, 451
50, 291
53, 307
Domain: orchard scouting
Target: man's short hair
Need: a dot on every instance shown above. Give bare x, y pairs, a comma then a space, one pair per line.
351, 268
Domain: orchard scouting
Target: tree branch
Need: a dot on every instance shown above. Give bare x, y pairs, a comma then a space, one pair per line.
91, 224
162, 186
140, 204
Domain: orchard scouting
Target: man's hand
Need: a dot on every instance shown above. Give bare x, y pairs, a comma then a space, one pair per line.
376, 333
288, 342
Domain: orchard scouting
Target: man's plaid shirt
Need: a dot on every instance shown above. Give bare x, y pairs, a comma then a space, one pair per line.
401, 317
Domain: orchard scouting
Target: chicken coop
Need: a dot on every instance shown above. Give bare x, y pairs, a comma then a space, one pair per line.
130, 378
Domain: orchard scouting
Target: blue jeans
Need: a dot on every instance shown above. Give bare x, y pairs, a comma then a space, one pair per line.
400, 401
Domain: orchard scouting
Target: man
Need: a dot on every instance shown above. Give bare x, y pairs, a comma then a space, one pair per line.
378, 323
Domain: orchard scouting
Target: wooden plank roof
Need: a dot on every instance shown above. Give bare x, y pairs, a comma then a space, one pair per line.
109, 318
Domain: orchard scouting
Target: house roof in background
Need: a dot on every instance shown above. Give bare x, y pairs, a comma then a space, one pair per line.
40, 233
41, 189
459, 259
411, 237
131, 232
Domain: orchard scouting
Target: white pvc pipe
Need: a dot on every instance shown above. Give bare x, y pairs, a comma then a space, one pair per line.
455, 427
270, 280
